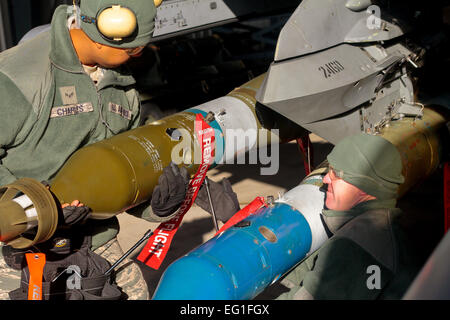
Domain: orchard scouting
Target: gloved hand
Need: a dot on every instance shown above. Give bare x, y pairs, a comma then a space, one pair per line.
170, 192
224, 199
75, 213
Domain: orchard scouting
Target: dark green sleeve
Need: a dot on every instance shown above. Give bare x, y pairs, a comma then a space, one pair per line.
16, 120
144, 211
293, 281
344, 270
338, 270
133, 98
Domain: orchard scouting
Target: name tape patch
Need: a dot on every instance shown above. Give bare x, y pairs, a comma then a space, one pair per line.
118, 109
71, 110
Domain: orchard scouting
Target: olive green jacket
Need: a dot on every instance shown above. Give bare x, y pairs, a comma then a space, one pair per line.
367, 257
50, 107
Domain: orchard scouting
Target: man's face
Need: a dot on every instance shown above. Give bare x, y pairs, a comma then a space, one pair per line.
110, 57
341, 195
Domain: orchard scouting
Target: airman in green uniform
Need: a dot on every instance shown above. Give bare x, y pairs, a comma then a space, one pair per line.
367, 255
67, 88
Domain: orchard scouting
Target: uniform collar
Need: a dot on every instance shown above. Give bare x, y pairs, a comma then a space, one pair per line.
336, 219
64, 57
115, 78
62, 52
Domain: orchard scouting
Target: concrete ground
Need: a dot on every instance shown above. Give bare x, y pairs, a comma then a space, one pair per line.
197, 226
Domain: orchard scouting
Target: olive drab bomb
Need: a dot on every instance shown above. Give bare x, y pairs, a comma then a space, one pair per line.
17, 216
116, 174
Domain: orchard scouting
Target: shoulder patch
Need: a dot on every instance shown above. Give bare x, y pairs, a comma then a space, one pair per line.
118, 109
68, 95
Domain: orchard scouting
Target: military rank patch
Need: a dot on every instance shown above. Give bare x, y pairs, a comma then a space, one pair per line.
68, 95
117, 109
71, 110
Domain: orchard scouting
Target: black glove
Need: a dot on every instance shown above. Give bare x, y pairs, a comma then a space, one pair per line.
73, 215
224, 199
170, 192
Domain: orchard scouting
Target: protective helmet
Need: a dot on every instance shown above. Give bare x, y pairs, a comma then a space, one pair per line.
370, 163
119, 23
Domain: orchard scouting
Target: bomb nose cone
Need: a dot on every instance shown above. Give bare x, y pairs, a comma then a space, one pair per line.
13, 217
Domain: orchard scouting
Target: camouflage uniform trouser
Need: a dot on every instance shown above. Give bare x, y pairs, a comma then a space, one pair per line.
128, 274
